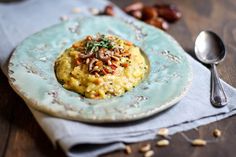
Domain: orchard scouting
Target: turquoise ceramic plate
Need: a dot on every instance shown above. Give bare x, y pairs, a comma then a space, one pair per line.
31, 72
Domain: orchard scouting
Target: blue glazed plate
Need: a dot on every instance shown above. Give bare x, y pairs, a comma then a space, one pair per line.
31, 72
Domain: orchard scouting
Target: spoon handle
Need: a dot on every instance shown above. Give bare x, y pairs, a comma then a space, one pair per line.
218, 97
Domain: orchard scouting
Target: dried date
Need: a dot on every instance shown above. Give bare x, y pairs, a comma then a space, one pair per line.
109, 10
149, 13
168, 12
159, 23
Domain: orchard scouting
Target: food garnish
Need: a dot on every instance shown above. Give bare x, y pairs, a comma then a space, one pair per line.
102, 54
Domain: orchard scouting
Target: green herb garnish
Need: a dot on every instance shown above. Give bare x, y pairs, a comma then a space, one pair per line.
101, 42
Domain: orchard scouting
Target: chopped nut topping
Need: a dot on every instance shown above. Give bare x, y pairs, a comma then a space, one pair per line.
109, 62
96, 74
99, 63
95, 68
115, 58
104, 72
103, 54
87, 61
114, 64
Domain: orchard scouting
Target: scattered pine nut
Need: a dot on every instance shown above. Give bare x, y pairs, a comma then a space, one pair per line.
163, 143
163, 132
76, 10
149, 153
128, 149
64, 18
145, 148
217, 133
199, 142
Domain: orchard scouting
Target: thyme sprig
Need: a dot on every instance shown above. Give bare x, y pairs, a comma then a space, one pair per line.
96, 44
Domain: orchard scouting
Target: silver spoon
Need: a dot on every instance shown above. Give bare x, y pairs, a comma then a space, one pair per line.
210, 49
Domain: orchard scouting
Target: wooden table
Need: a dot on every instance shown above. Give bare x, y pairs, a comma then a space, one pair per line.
21, 136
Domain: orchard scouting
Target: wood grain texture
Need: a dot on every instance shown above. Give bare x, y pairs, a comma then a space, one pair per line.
21, 136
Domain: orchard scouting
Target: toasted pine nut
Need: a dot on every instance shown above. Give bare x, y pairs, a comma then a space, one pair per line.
95, 68
145, 148
217, 133
128, 150
96, 74
87, 61
163, 143
115, 58
109, 62
149, 153
199, 142
163, 132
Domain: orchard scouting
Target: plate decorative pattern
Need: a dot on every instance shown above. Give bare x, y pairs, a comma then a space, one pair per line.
31, 72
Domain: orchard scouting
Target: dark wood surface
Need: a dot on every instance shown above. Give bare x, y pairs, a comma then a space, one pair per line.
21, 136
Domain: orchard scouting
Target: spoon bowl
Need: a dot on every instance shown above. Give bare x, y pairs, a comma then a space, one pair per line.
210, 49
